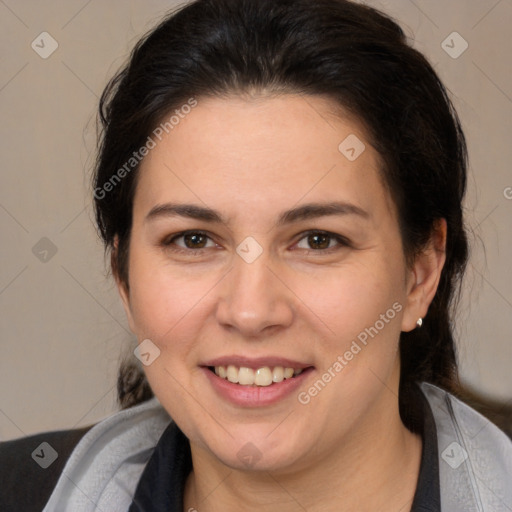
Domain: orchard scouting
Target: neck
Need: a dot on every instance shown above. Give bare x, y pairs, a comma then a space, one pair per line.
372, 469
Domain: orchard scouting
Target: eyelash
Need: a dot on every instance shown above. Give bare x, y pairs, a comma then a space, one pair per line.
169, 243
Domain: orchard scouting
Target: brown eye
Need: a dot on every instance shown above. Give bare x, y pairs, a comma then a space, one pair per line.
321, 241
195, 240
190, 240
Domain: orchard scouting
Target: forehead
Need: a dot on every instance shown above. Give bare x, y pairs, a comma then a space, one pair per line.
262, 152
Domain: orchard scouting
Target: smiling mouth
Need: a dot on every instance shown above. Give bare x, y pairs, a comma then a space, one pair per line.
260, 377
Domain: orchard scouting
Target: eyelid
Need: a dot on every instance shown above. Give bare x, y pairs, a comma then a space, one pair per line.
170, 240
341, 240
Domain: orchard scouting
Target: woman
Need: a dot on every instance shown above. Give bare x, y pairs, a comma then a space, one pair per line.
280, 185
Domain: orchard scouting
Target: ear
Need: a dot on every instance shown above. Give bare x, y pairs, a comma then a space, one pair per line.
122, 287
423, 278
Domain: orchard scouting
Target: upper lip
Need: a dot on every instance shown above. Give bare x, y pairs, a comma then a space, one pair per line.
256, 362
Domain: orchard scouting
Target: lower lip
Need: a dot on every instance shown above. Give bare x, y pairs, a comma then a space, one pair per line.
255, 396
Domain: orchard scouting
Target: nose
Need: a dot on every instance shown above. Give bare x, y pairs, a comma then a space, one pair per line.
253, 301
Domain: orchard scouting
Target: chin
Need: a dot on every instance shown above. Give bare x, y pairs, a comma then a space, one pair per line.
255, 450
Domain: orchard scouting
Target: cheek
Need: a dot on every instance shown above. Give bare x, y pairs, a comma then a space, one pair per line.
351, 299
361, 315
362, 311
169, 308
163, 300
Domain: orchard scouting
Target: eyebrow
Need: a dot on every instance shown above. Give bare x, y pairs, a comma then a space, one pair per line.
301, 213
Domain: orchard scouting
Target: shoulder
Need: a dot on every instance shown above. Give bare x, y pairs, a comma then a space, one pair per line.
30, 467
64, 470
475, 456
106, 464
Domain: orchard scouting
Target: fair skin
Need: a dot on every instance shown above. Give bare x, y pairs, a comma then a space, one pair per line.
250, 160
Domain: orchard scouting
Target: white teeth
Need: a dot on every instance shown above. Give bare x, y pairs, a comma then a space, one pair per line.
278, 374
263, 376
288, 373
246, 376
232, 374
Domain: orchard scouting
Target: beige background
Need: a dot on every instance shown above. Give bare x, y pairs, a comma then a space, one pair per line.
62, 327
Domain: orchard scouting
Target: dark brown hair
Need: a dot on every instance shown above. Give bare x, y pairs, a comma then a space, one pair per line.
348, 52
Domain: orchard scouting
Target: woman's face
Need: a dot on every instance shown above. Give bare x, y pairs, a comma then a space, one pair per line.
292, 258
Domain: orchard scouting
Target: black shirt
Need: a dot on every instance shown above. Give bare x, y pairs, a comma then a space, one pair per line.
24, 485
162, 483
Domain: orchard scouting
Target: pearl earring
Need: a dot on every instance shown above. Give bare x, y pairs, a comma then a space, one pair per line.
419, 323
